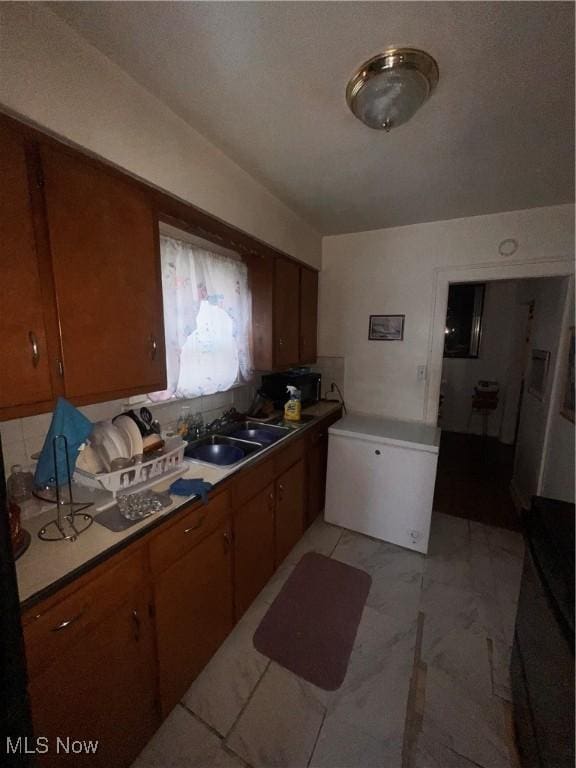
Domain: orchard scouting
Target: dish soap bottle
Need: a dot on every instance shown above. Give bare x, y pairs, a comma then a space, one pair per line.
293, 407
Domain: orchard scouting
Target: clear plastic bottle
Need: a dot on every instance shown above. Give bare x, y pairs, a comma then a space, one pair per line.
184, 421
19, 484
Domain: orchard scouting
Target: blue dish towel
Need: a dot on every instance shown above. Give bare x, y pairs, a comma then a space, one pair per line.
195, 487
67, 421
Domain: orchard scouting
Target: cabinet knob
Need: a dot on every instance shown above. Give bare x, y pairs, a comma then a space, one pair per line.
35, 351
153, 346
281, 341
197, 525
136, 622
227, 541
377, 453
66, 623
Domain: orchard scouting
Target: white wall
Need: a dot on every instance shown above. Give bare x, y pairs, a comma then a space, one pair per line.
51, 76
558, 481
545, 450
497, 361
395, 271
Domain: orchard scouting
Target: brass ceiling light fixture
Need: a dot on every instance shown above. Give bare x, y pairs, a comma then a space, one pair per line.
390, 87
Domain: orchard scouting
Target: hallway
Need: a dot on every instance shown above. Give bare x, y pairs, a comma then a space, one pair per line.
473, 480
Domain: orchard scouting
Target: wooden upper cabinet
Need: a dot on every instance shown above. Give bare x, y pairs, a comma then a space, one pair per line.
24, 361
261, 281
286, 312
308, 314
106, 264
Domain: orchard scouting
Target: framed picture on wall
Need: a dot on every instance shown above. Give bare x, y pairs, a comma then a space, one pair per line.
567, 409
538, 373
386, 328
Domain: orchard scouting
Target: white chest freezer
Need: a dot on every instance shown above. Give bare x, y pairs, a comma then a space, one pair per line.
381, 477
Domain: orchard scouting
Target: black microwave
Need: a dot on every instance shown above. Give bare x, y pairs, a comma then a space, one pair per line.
274, 386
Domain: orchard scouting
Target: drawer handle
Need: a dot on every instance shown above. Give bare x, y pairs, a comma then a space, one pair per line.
199, 524
66, 623
35, 351
227, 541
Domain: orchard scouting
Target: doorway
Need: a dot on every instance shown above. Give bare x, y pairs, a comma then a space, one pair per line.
486, 394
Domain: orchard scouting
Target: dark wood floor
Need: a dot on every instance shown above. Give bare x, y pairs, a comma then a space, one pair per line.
473, 480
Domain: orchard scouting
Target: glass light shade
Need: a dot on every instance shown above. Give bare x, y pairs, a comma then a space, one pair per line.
388, 89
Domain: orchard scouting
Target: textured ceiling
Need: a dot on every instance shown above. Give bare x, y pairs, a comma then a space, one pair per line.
265, 81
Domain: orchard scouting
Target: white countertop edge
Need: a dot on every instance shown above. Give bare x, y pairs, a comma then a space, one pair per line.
396, 442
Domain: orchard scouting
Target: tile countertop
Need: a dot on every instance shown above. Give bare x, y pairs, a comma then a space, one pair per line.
48, 565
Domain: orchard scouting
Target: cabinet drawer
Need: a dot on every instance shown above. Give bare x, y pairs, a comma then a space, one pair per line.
251, 482
51, 628
191, 527
289, 456
320, 431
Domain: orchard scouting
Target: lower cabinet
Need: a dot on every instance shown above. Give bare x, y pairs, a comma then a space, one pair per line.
289, 523
316, 465
194, 612
101, 690
112, 653
253, 548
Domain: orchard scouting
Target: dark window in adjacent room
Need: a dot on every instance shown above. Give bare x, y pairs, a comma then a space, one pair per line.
464, 320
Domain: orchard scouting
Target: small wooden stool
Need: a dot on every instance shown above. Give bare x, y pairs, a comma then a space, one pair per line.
484, 402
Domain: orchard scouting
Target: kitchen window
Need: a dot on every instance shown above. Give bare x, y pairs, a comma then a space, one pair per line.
207, 320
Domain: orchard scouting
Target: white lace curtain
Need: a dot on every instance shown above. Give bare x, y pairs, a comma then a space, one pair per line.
207, 320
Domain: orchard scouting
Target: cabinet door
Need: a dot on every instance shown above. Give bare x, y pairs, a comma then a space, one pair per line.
261, 280
106, 263
286, 312
23, 352
253, 548
317, 459
102, 689
308, 314
289, 509
194, 613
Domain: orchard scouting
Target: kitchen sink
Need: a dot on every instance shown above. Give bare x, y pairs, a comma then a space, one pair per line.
240, 440
258, 432
222, 450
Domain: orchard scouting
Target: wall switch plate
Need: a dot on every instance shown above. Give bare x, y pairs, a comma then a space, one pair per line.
421, 372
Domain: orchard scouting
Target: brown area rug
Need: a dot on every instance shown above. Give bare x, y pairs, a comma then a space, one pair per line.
311, 626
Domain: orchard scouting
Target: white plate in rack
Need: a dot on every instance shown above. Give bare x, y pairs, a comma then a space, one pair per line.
110, 442
130, 430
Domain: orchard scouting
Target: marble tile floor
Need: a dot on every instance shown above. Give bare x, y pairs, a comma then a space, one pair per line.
427, 685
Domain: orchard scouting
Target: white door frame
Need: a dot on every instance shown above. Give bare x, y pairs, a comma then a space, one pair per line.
472, 273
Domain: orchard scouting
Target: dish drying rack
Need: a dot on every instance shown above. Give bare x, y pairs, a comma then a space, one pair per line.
138, 477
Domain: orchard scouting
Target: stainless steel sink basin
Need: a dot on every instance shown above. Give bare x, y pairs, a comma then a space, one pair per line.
222, 450
259, 432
